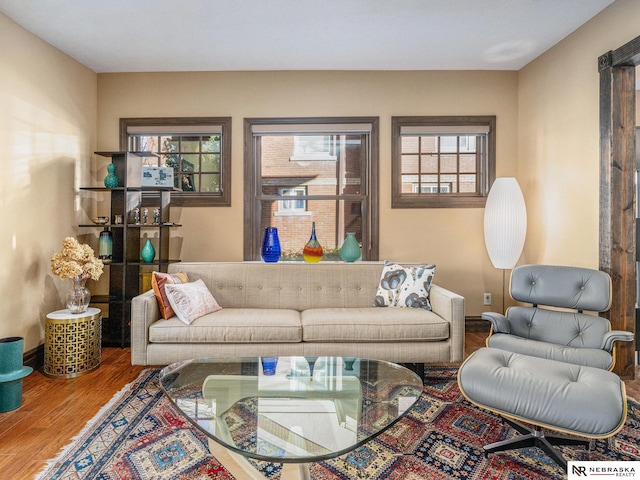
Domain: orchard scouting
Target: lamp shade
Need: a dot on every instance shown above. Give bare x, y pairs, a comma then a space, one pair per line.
505, 223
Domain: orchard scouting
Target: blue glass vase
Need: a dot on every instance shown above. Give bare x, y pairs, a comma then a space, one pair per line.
271, 245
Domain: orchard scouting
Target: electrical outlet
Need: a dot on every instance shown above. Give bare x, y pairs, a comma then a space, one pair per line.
487, 299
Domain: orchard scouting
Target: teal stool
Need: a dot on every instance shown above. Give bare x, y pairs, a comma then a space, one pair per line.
11, 373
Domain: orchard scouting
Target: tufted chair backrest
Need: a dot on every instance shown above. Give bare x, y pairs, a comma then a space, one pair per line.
561, 287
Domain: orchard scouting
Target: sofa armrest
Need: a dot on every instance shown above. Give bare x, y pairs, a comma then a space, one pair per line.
144, 312
450, 306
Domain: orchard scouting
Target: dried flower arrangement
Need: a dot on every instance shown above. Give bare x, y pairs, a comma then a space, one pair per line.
76, 260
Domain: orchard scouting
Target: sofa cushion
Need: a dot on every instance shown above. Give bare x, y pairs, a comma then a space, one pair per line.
232, 325
191, 300
372, 325
158, 282
405, 287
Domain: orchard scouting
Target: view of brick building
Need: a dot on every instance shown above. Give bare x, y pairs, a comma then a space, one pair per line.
301, 176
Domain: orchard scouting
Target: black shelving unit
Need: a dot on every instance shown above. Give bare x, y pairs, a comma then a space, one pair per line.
126, 269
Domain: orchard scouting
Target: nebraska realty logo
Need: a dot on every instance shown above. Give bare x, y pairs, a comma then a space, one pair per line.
582, 470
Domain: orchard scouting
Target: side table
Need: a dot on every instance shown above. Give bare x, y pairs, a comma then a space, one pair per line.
72, 343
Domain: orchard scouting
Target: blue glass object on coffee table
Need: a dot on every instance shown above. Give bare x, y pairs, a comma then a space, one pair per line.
269, 365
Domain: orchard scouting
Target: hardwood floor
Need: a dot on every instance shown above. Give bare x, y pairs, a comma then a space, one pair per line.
53, 411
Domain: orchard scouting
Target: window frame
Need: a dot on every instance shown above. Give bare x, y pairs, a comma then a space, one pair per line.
486, 171
192, 199
252, 175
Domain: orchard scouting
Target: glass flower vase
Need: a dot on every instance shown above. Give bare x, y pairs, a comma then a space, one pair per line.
271, 245
312, 251
350, 249
79, 296
148, 252
111, 180
105, 246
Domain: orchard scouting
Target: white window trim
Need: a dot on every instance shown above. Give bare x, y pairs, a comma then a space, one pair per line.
287, 211
431, 188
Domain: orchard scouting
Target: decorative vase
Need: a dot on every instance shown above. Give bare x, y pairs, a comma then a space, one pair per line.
111, 180
312, 251
11, 373
350, 249
148, 253
271, 245
79, 296
105, 246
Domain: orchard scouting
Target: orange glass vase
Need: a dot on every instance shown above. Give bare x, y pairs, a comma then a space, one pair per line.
312, 251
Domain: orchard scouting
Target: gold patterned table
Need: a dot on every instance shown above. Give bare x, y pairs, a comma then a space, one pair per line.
72, 343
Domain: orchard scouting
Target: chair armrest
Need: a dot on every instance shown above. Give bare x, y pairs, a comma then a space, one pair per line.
499, 322
144, 312
614, 336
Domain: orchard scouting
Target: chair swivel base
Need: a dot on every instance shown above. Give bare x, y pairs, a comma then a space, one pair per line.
536, 438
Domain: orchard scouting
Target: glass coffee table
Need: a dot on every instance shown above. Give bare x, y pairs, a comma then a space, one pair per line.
305, 410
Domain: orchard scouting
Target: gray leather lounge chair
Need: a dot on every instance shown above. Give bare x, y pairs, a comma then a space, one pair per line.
547, 364
566, 336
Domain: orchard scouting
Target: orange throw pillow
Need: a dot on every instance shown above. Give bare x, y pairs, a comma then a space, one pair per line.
158, 281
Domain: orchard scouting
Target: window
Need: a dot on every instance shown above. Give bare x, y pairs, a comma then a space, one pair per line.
304, 170
442, 162
198, 150
431, 188
292, 206
313, 147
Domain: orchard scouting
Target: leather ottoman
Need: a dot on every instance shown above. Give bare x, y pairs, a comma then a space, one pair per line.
572, 399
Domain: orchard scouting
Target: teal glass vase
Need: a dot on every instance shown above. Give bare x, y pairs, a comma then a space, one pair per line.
148, 253
350, 249
111, 180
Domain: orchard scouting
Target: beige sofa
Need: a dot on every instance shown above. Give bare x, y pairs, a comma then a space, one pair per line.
298, 309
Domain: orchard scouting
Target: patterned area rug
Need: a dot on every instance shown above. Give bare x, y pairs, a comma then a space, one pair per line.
139, 435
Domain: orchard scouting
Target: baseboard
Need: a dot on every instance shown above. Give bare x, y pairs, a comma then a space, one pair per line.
34, 358
476, 324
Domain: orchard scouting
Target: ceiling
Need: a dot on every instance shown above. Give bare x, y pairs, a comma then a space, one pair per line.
227, 35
